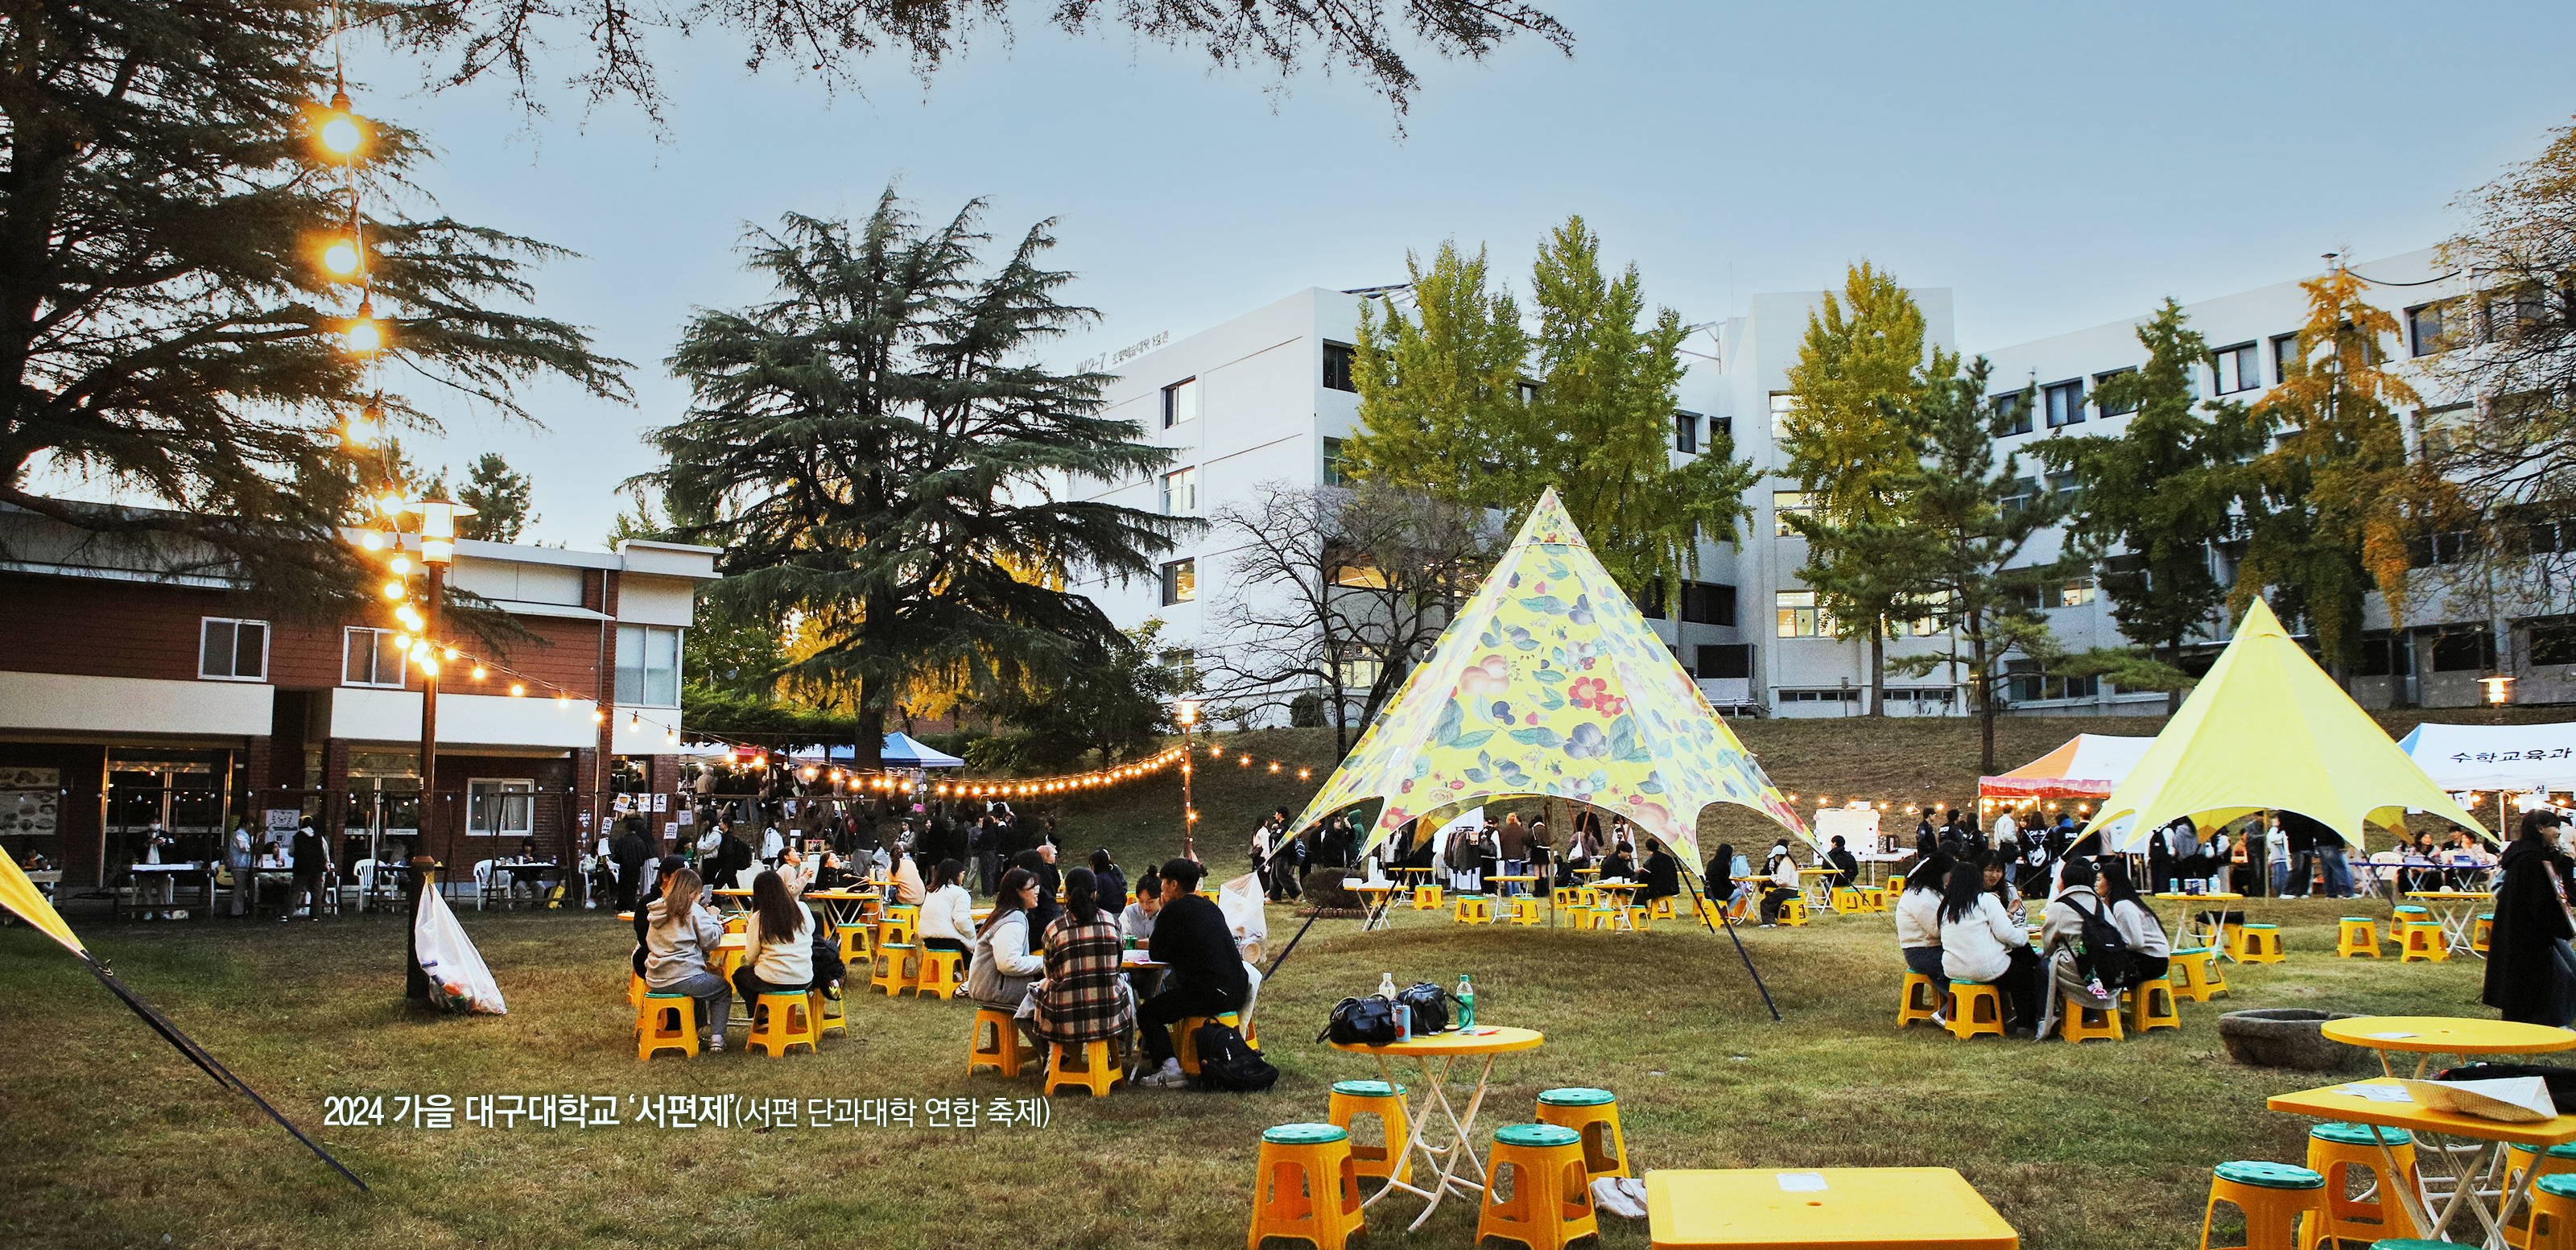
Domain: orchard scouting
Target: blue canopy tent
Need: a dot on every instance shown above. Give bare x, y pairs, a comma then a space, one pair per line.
901, 751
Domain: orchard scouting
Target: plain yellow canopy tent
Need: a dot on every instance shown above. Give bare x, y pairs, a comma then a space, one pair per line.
21, 897
1549, 683
2268, 730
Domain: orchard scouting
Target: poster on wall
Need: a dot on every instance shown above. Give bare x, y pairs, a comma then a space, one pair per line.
661, 802
1858, 826
30, 813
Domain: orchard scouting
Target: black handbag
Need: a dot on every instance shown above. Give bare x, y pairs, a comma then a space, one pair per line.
1360, 1022
1430, 1007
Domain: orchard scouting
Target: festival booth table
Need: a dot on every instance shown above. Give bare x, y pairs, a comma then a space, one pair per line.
2457, 910
1623, 894
2189, 932
843, 909
503, 875
2386, 1103
735, 900
1449, 1165
1869, 1208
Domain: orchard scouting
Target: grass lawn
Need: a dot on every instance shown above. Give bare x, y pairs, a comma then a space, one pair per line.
115, 1141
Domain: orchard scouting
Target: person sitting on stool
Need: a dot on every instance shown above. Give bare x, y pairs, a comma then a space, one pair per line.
1206, 976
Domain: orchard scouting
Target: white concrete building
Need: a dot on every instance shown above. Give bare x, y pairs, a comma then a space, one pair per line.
1267, 397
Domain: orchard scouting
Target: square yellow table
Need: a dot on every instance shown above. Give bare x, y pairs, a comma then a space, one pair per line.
1771, 1209
2439, 1129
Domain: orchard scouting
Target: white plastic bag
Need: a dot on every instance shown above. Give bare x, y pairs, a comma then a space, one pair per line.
1241, 900
1623, 1196
458, 981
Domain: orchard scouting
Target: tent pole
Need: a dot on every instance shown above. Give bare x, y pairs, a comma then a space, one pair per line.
1747, 957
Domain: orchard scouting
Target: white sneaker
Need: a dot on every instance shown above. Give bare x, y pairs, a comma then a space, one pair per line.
1170, 1077
715, 1045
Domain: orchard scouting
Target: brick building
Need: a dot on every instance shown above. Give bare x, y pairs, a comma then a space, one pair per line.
133, 693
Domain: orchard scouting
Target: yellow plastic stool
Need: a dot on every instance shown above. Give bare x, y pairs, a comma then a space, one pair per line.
896, 969
1007, 1049
1793, 912
1663, 908
2151, 1006
1098, 1073
1185, 1039
1640, 917
1524, 909
1588, 917
1551, 1202
634, 989
2481, 930
856, 942
2201, 978
1917, 999
2335, 1152
1846, 899
2422, 940
829, 1008
2356, 935
1565, 896
1352, 1099
665, 1022
2085, 1024
2552, 1219
2556, 1161
1979, 1010
1593, 1114
1308, 1187
780, 1019
901, 921
943, 974
1473, 909
2273, 1196
2256, 944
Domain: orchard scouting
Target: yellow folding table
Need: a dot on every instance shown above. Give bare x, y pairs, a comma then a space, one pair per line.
1449, 1165
2386, 1103
1768, 1209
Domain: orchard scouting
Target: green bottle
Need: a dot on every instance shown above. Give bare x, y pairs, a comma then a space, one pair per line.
1466, 1003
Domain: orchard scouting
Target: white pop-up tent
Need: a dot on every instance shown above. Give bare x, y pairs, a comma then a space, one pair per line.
2520, 758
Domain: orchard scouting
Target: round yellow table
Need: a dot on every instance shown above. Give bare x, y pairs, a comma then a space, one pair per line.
1626, 890
1450, 1163
2446, 1035
843, 908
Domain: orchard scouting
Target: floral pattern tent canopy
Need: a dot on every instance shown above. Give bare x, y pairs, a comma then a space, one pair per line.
1550, 683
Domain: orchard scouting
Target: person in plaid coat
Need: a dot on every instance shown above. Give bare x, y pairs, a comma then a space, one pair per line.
1083, 998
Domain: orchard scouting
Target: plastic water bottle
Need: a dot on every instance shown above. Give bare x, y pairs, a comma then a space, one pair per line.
1386, 986
1466, 1004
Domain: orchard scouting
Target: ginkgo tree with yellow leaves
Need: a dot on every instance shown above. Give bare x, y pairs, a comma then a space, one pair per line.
2339, 494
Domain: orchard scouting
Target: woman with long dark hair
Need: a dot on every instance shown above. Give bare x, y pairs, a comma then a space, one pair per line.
1083, 1000
1004, 964
1980, 943
948, 914
2531, 970
777, 941
1918, 924
2149, 950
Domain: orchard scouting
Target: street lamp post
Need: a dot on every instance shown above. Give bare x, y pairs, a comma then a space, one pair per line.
1189, 716
437, 551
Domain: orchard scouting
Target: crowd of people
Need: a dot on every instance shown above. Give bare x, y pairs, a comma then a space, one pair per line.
1962, 919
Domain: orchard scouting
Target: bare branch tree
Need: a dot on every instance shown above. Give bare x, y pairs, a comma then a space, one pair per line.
1339, 592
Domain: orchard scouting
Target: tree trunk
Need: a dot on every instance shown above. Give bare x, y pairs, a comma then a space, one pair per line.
868, 731
1985, 706
2173, 698
1878, 670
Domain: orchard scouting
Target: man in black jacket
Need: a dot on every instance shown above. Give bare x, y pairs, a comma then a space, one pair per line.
630, 853
310, 859
1206, 975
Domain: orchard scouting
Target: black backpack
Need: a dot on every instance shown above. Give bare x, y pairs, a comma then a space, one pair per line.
2106, 957
1360, 1022
1227, 1063
1430, 1007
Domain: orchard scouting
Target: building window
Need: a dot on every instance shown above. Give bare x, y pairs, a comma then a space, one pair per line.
370, 657
2470, 650
2286, 358
648, 665
1358, 674
1334, 474
2447, 547
2065, 404
2239, 369
1800, 617
1817, 696
1180, 402
1181, 492
2024, 490
1725, 660
497, 808
232, 650
1528, 392
1351, 568
1707, 603
1337, 367
2107, 410
2392, 655
2012, 413
1650, 605
2427, 331
2029, 685
1180, 581
2077, 592
1786, 504
1782, 404
1185, 664
2551, 644
1686, 432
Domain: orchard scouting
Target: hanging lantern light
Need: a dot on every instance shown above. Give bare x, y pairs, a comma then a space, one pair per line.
517, 690
364, 336
401, 565
341, 258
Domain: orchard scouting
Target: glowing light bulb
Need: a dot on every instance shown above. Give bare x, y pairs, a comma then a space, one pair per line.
341, 257
562, 701
670, 735
517, 690
389, 503
340, 132
393, 590
401, 565
478, 672
429, 668
599, 718
372, 541
451, 653
633, 722
364, 336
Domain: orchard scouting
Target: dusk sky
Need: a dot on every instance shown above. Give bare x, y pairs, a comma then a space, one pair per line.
2056, 166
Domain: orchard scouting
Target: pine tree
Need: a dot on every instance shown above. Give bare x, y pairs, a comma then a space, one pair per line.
165, 328
2339, 495
2163, 489
873, 448
499, 496
1976, 524
1848, 442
